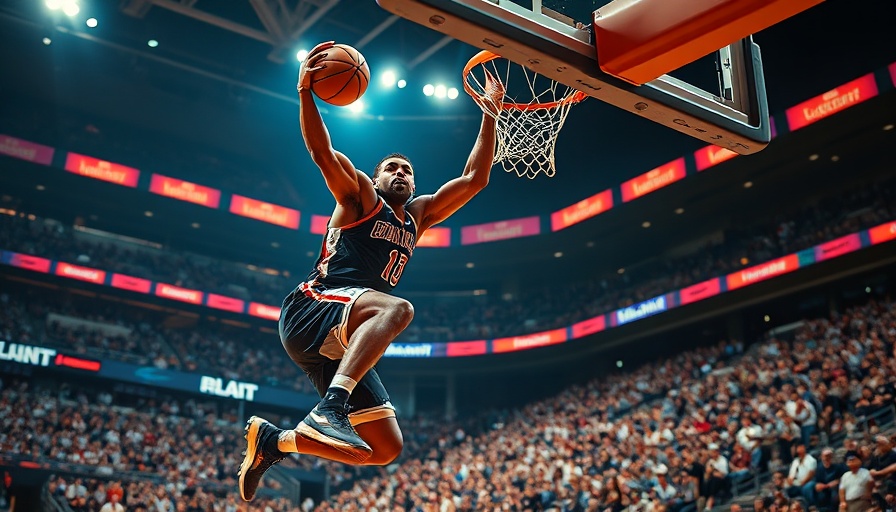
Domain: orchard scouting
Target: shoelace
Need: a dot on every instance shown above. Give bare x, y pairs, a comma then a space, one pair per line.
339, 420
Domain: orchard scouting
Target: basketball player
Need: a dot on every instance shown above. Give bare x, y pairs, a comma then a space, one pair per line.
337, 324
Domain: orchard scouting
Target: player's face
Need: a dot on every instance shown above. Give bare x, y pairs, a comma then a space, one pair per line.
395, 179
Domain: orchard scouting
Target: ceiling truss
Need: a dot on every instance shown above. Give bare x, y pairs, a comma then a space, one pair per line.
283, 24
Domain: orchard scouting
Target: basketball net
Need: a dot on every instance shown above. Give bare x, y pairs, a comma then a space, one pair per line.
530, 117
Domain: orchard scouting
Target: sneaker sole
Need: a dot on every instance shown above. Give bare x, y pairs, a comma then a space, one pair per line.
358, 453
251, 448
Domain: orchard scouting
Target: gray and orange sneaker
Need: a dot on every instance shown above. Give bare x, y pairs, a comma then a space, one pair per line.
331, 426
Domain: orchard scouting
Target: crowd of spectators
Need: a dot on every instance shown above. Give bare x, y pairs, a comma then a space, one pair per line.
677, 434
149, 454
722, 416
147, 337
440, 319
115, 330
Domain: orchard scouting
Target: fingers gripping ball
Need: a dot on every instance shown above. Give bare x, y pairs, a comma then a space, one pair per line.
344, 76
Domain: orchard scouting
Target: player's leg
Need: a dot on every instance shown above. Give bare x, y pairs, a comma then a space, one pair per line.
383, 436
316, 328
374, 320
372, 415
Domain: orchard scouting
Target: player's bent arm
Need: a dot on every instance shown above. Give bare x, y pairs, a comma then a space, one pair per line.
337, 169
453, 195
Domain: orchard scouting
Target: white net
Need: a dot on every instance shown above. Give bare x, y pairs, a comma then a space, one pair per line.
534, 110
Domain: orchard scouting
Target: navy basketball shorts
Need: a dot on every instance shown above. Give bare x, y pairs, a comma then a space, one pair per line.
313, 327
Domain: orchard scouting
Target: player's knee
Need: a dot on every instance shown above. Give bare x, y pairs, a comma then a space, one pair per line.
403, 312
387, 453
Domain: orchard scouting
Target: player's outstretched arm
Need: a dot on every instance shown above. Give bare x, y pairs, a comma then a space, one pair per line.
453, 195
349, 187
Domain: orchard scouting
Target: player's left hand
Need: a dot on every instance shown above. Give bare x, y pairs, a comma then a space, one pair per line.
309, 65
493, 99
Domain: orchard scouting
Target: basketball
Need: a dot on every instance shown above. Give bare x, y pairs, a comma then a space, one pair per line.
345, 77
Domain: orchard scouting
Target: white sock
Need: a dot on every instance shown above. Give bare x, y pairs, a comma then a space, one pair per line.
344, 382
286, 442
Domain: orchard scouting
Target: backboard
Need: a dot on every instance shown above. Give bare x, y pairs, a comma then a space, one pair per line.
550, 43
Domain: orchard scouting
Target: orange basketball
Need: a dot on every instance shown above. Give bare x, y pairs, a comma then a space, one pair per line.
345, 77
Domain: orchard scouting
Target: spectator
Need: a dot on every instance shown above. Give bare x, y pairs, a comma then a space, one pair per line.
112, 505
739, 464
664, 491
750, 437
801, 477
855, 485
803, 413
882, 468
823, 493
76, 494
714, 479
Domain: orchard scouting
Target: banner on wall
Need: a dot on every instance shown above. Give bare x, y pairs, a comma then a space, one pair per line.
90, 275
712, 155
762, 272
700, 291
177, 293
25, 150
102, 170
185, 191
653, 180
539, 339
583, 210
435, 237
832, 102
134, 284
265, 212
502, 230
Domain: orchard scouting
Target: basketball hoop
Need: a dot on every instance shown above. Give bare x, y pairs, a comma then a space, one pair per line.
531, 116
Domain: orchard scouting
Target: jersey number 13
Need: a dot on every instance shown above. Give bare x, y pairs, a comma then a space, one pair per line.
393, 270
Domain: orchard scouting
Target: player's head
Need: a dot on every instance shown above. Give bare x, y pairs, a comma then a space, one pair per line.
393, 177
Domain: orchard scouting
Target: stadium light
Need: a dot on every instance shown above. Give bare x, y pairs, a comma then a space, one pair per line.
428, 89
47, 41
452, 93
402, 83
388, 78
152, 43
71, 8
301, 55
356, 107
53, 5
441, 91
92, 22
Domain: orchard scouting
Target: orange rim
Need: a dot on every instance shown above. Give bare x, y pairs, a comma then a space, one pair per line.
487, 56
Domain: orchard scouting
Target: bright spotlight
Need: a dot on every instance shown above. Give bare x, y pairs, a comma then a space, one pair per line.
356, 107
428, 89
47, 41
152, 43
441, 91
301, 55
71, 9
91, 22
53, 5
388, 78
402, 83
452, 93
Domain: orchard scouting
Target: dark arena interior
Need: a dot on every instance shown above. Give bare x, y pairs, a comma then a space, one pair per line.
661, 326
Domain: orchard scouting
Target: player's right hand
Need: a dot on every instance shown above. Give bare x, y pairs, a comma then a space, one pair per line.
309, 65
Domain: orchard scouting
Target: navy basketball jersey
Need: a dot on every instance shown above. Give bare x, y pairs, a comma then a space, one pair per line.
371, 252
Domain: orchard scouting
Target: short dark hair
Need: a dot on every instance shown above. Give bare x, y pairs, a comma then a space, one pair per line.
379, 165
